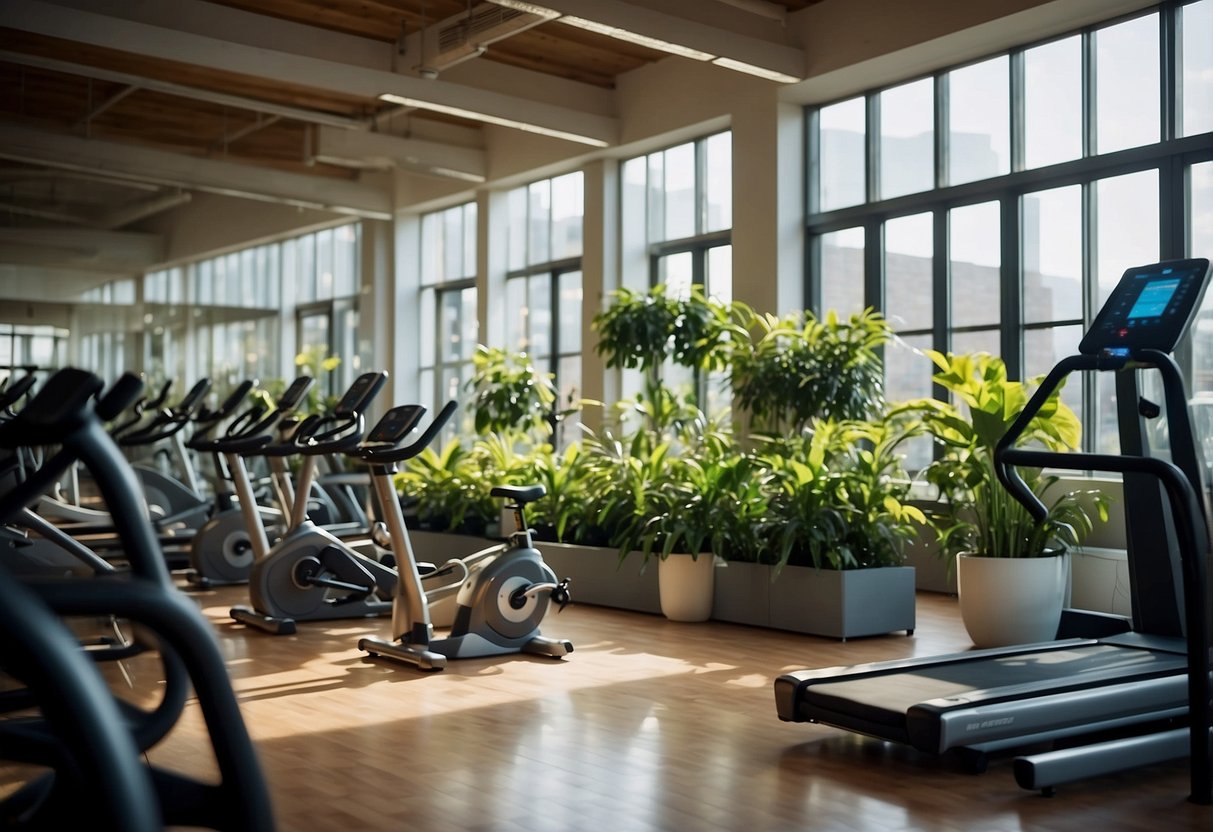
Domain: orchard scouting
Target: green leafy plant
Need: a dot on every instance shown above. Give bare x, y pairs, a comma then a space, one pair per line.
984, 518
840, 495
510, 393
313, 362
801, 368
644, 330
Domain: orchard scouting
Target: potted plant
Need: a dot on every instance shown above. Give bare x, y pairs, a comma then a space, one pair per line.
1012, 571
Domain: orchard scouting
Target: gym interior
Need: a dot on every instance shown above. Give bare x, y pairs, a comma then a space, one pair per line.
396, 204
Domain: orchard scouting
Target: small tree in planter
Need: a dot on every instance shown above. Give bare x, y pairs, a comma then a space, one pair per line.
800, 368
643, 330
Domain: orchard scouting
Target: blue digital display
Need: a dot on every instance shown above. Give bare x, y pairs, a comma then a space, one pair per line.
1153, 300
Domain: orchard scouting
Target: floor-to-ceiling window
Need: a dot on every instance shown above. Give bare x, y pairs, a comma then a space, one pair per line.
992, 206
448, 302
543, 286
677, 219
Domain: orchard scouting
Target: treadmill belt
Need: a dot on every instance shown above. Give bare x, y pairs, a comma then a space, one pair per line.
884, 699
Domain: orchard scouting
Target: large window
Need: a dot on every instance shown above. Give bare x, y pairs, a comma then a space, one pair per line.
992, 206
448, 302
677, 208
543, 286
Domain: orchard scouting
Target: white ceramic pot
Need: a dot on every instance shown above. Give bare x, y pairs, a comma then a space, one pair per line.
686, 585
1007, 601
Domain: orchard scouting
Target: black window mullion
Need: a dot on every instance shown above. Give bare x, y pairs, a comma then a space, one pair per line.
874, 294
872, 148
1018, 112
1010, 332
941, 282
1169, 80
1088, 95
942, 131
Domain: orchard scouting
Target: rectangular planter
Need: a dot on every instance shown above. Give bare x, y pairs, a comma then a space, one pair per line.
844, 604
599, 578
437, 547
742, 594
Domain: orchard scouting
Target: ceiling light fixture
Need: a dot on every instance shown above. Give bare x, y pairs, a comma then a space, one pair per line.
758, 71
632, 37
529, 8
491, 119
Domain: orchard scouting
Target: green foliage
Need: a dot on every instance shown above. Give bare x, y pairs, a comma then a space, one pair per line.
313, 362
984, 518
509, 393
800, 368
839, 497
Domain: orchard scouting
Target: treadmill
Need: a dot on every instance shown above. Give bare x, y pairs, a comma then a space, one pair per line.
1129, 679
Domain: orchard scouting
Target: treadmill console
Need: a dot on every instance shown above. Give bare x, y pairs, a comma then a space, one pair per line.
1150, 308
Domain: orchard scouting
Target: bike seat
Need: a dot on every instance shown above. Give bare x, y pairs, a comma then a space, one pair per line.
520, 494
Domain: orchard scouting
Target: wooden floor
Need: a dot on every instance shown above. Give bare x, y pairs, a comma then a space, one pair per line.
648, 725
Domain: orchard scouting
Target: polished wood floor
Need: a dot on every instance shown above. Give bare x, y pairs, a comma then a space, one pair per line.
648, 725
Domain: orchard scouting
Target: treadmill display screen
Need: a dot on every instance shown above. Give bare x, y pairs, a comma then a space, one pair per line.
1153, 300
1150, 308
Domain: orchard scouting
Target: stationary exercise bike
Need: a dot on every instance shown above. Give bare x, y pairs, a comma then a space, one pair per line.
221, 552
505, 591
310, 574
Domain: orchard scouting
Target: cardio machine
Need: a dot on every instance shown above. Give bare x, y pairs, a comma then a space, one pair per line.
504, 591
1129, 678
221, 552
309, 574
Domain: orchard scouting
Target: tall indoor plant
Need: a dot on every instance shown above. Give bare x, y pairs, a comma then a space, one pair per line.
1012, 571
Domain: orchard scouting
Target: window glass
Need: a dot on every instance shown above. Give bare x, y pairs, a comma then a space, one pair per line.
1126, 84
570, 299
679, 192
974, 258
842, 286
719, 278
568, 208
979, 121
516, 201
842, 131
908, 250
1127, 226
907, 139
718, 182
1053, 102
1043, 348
1052, 255
908, 373
1200, 236
539, 218
1196, 22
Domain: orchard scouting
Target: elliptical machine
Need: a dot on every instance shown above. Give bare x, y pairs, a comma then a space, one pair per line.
505, 591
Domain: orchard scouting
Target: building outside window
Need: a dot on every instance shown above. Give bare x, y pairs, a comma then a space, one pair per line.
992, 206
543, 284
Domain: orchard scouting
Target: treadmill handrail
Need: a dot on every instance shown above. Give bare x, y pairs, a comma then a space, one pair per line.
1191, 524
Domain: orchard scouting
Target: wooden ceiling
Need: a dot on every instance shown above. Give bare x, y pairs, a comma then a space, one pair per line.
61, 83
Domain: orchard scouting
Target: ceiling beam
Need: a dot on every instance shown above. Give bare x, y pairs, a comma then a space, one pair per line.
725, 47
177, 45
140, 164
111, 252
134, 212
377, 150
140, 82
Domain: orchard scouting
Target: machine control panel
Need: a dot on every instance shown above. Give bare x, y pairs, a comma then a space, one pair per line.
1150, 308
